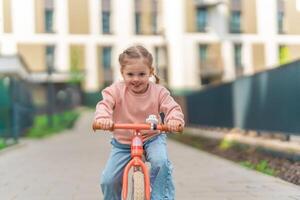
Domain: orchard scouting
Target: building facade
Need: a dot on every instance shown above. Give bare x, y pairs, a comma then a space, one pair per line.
194, 42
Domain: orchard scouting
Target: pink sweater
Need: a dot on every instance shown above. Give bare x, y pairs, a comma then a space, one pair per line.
124, 106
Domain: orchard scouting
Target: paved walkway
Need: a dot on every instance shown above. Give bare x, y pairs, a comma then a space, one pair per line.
68, 166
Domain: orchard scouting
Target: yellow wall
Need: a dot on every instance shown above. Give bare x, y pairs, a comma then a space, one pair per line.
292, 17
214, 54
160, 20
78, 17
258, 52
7, 16
294, 52
190, 14
34, 55
77, 57
248, 16
39, 16
146, 18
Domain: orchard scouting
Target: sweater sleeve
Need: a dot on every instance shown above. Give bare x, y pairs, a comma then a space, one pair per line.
169, 107
105, 107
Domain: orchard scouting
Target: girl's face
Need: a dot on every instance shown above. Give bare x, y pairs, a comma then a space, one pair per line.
136, 75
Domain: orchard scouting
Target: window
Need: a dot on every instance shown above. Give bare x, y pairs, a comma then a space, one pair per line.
154, 16
201, 19
49, 15
203, 53
238, 55
106, 16
138, 23
154, 23
138, 15
106, 65
161, 63
280, 22
204, 65
280, 16
235, 22
238, 59
105, 22
50, 50
106, 62
235, 16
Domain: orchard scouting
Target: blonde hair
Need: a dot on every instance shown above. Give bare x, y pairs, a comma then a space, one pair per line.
138, 51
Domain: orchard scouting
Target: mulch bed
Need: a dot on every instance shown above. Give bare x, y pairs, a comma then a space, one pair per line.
282, 167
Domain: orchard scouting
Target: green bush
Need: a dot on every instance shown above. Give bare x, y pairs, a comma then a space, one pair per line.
262, 166
226, 144
2, 143
60, 122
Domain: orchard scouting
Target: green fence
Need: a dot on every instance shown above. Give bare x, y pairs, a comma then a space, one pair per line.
267, 101
5, 108
16, 107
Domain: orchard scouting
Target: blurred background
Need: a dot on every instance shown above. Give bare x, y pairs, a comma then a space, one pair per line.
231, 63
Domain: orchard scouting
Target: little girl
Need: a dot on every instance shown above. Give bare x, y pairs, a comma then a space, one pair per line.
132, 101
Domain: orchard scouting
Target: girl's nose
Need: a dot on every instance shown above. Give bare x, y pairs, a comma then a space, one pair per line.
135, 78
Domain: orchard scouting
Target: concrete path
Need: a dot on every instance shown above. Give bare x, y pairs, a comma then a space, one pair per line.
68, 166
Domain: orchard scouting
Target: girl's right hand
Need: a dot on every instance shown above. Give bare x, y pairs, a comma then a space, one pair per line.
106, 124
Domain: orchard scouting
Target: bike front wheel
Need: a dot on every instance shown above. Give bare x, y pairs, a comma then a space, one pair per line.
138, 186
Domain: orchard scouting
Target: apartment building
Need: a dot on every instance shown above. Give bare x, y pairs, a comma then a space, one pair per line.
194, 42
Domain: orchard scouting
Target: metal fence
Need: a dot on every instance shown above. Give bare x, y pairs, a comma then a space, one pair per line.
16, 107
267, 101
21, 101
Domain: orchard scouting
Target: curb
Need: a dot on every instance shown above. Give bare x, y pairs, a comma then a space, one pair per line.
291, 148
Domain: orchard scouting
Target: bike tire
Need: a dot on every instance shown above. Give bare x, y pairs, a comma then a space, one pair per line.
138, 186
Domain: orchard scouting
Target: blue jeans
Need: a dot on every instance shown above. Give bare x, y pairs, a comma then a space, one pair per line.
161, 169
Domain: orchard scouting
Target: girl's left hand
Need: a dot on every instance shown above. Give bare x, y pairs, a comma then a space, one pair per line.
173, 125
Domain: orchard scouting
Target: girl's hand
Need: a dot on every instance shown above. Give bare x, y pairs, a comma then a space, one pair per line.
174, 125
106, 124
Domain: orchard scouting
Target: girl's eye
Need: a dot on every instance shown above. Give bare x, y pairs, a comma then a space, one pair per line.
142, 74
129, 74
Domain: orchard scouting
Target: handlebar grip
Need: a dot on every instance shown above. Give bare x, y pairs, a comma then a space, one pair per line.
96, 126
164, 127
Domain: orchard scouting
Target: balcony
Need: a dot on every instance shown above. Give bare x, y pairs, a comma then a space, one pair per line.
211, 68
207, 3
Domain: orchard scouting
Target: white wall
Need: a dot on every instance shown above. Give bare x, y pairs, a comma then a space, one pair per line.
218, 19
8, 46
174, 27
123, 29
267, 29
92, 75
23, 15
61, 29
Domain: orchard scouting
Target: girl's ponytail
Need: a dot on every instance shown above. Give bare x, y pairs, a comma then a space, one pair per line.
157, 79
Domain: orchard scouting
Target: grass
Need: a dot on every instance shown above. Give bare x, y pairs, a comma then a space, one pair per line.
224, 146
60, 122
262, 166
2, 143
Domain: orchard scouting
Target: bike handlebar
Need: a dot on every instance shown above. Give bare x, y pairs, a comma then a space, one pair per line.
159, 127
